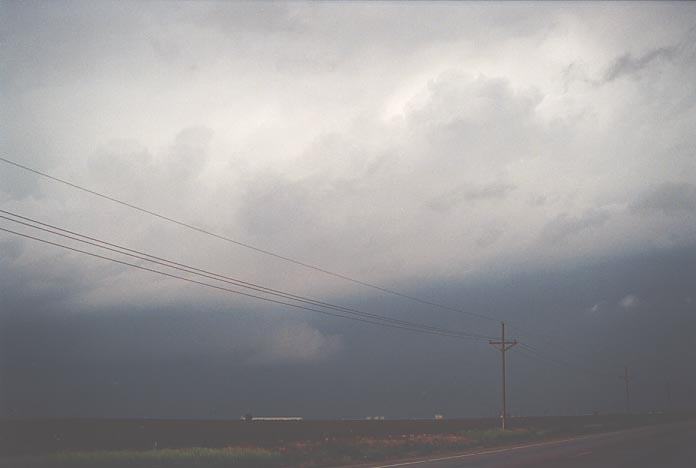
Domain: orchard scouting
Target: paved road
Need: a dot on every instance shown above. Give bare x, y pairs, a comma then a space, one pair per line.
663, 446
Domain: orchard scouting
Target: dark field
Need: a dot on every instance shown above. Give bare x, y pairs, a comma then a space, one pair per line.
33, 437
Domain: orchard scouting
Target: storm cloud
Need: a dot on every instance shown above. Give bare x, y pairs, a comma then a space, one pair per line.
669, 198
526, 162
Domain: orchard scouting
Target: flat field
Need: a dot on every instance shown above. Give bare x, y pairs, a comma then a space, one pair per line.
152, 443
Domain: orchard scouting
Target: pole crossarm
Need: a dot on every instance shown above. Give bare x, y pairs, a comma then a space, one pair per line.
503, 345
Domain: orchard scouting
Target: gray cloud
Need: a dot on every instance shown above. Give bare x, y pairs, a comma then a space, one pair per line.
564, 226
250, 17
300, 161
346, 135
627, 64
218, 358
492, 191
298, 343
629, 301
668, 198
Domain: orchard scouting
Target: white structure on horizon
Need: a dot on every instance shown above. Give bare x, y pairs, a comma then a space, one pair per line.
274, 418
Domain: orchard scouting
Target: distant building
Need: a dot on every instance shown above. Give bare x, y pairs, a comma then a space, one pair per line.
250, 418
439, 416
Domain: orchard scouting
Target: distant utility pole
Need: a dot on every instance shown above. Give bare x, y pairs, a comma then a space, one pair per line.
626, 379
503, 346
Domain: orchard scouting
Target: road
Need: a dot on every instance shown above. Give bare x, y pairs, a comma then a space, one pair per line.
663, 446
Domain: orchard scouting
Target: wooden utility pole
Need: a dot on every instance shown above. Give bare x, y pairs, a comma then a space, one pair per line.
626, 378
503, 346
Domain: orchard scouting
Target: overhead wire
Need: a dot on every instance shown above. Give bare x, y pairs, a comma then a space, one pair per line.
264, 252
354, 313
552, 343
373, 319
245, 244
208, 274
531, 351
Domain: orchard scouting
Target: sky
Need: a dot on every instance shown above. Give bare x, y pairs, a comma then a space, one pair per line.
527, 162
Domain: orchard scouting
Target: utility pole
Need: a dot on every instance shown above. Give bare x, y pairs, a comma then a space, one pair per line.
626, 379
503, 346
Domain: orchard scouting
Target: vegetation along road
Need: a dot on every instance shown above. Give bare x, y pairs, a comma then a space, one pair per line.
663, 446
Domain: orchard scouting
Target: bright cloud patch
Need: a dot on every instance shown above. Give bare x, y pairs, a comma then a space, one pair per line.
629, 302
295, 344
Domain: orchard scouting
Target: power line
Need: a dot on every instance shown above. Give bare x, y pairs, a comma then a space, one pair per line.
550, 342
431, 331
375, 320
215, 276
247, 245
533, 352
364, 317
226, 279
260, 250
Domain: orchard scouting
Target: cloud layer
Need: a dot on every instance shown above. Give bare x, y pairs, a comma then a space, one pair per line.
401, 144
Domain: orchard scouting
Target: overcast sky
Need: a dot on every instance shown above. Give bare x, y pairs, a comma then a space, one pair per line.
532, 162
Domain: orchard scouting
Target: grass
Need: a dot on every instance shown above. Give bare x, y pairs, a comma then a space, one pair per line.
189, 457
372, 449
487, 437
309, 454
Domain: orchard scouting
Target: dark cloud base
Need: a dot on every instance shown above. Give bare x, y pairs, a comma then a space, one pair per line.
179, 362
